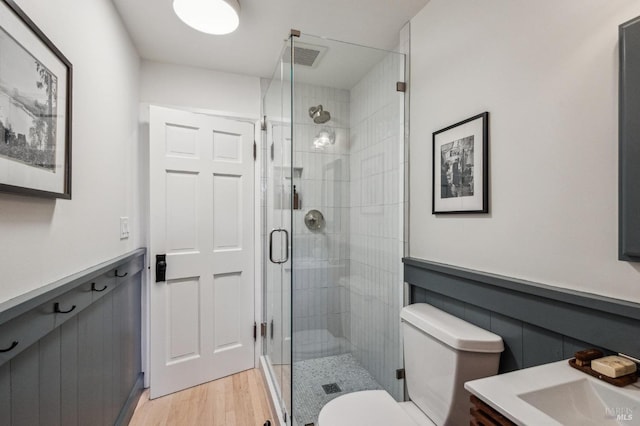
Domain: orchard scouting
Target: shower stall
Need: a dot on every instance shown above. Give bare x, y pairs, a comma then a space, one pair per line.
333, 153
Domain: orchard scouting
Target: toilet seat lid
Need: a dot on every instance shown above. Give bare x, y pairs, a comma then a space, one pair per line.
366, 408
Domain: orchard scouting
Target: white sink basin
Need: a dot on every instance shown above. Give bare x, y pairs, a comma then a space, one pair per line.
585, 402
556, 394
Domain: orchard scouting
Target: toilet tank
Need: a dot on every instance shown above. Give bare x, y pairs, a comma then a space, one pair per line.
441, 352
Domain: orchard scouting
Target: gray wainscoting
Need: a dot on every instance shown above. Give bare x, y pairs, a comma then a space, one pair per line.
538, 323
77, 368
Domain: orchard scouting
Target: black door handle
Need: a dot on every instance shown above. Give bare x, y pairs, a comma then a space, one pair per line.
161, 267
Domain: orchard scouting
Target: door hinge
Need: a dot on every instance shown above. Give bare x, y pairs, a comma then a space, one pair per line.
271, 329
255, 151
400, 373
401, 86
263, 123
263, 330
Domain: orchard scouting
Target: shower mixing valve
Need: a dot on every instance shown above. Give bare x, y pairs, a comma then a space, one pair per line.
314, 220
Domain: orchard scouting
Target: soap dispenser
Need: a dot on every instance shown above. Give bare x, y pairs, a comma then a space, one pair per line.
296, 199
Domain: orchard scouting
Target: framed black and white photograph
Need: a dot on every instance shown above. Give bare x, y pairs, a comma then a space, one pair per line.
35, 109
460, 167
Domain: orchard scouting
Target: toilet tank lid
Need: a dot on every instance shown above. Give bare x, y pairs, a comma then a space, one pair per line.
451, 330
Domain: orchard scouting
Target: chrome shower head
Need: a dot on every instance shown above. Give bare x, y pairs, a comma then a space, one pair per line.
319, 115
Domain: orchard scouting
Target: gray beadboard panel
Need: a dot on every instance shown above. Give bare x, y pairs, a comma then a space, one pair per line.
432, 298
136, 320
604, 322
131, 402
134, 323
25, 404
540, 346
511, 332
122, 303
478, 316
108, 367
90, 386
69, 372
121, 378
571, 346
454, 307
79, 368
447, 304
5, 394
49, 366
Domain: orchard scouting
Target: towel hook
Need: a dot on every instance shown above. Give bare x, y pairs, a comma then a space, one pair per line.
56, 309
93, 287
13, 345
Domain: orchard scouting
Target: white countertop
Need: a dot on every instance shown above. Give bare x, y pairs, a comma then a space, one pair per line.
501, 392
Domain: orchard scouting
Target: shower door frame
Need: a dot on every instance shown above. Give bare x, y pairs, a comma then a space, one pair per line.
287, 400
281, 198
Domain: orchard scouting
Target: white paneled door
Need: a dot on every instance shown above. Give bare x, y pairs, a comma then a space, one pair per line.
202, 219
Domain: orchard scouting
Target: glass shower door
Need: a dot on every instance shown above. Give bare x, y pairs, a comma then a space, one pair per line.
277, 242
333, 186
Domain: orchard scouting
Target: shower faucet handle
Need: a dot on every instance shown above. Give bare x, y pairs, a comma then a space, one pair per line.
314, 220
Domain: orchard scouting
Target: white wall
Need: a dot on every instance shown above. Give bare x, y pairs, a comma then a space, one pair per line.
45, 240
199, 89
547, 73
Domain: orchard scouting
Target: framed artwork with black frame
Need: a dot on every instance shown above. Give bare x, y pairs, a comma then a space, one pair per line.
461, 167
35, 109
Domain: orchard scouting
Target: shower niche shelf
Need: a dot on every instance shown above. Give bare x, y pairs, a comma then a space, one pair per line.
297, 173
286, 172
282, 199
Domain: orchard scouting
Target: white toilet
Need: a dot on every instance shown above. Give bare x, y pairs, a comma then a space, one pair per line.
441, 352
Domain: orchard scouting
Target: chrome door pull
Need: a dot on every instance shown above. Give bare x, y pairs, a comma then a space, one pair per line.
286, 251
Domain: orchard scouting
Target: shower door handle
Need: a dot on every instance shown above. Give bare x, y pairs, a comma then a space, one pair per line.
286, 246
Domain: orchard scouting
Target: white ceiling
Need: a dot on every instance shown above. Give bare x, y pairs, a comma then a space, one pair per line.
254, 48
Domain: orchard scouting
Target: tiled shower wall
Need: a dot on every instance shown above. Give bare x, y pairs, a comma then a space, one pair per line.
320, 258
376, 202
347, 277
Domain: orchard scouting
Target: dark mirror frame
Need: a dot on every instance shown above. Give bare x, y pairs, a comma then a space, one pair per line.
629, 142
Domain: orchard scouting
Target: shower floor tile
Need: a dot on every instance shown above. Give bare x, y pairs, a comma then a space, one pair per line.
309, 376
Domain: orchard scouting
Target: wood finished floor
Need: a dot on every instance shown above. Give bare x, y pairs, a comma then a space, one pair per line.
238, 400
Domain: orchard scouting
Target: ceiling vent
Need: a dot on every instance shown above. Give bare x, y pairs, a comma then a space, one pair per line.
307, 55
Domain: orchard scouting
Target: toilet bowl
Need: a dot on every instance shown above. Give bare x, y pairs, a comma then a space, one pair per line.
441, 352
371, 408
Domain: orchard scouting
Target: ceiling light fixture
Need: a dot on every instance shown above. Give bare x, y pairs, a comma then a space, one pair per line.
209, 16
